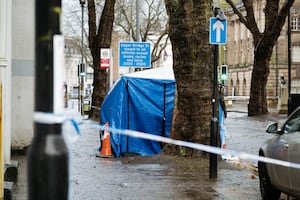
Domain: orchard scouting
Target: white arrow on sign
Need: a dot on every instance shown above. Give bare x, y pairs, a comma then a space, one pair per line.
218, 26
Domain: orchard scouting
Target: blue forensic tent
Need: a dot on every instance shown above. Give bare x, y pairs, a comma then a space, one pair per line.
142, 101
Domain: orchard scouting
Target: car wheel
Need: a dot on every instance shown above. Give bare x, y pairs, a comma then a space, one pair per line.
267, 191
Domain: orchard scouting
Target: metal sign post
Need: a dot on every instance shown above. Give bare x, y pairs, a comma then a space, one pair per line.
214, 124
83, 72
217, 36
48, 170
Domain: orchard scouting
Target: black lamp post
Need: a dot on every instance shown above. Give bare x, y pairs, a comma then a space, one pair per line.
289, 62
82, 66
48, 166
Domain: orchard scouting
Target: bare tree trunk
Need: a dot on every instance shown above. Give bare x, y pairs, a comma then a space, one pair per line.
97, 40
193, 64
258, 97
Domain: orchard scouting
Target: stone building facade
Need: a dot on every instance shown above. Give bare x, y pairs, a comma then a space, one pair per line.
239, 53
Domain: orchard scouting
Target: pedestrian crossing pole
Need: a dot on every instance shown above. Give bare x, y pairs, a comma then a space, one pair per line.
48, 168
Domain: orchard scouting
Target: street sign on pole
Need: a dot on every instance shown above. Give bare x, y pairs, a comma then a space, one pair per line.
135, 54
217, 35
217, 31
105, 57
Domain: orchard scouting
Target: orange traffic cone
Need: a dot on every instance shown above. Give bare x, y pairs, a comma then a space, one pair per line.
223, 147
105, 146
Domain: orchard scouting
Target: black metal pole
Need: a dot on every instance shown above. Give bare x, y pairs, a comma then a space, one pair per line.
48, 170
214, 125
81, 92
289, 63
277, 70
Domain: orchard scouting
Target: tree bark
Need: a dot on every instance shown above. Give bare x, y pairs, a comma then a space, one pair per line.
97, 40
258, 97
193, 66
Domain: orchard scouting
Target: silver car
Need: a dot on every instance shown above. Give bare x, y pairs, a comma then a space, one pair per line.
285, 145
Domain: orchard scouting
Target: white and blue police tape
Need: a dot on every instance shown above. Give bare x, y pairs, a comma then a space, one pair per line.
202, 147
52, 118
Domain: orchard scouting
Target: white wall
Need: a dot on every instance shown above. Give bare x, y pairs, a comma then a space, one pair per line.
22, 101
2, 30
5, 75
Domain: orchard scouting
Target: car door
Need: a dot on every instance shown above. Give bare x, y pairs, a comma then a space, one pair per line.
294, 156
279, 174
292, 135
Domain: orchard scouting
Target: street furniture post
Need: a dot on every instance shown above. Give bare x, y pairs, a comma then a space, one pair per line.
82, 65
48, 167
1, 149
214, 125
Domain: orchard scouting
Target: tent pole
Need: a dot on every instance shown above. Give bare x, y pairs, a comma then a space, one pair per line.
164, 119
128, 121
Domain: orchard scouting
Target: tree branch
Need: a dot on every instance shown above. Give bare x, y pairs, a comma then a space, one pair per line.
283, 12
154, 55
271, 11
129, 23
251, 25
249, 21
92, 22
105, 24
237, 12
280, 19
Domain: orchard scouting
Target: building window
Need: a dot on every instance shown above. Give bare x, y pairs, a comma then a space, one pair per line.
295, 23
296, 53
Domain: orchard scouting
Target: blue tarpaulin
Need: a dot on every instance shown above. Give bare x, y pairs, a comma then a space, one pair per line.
142, 101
